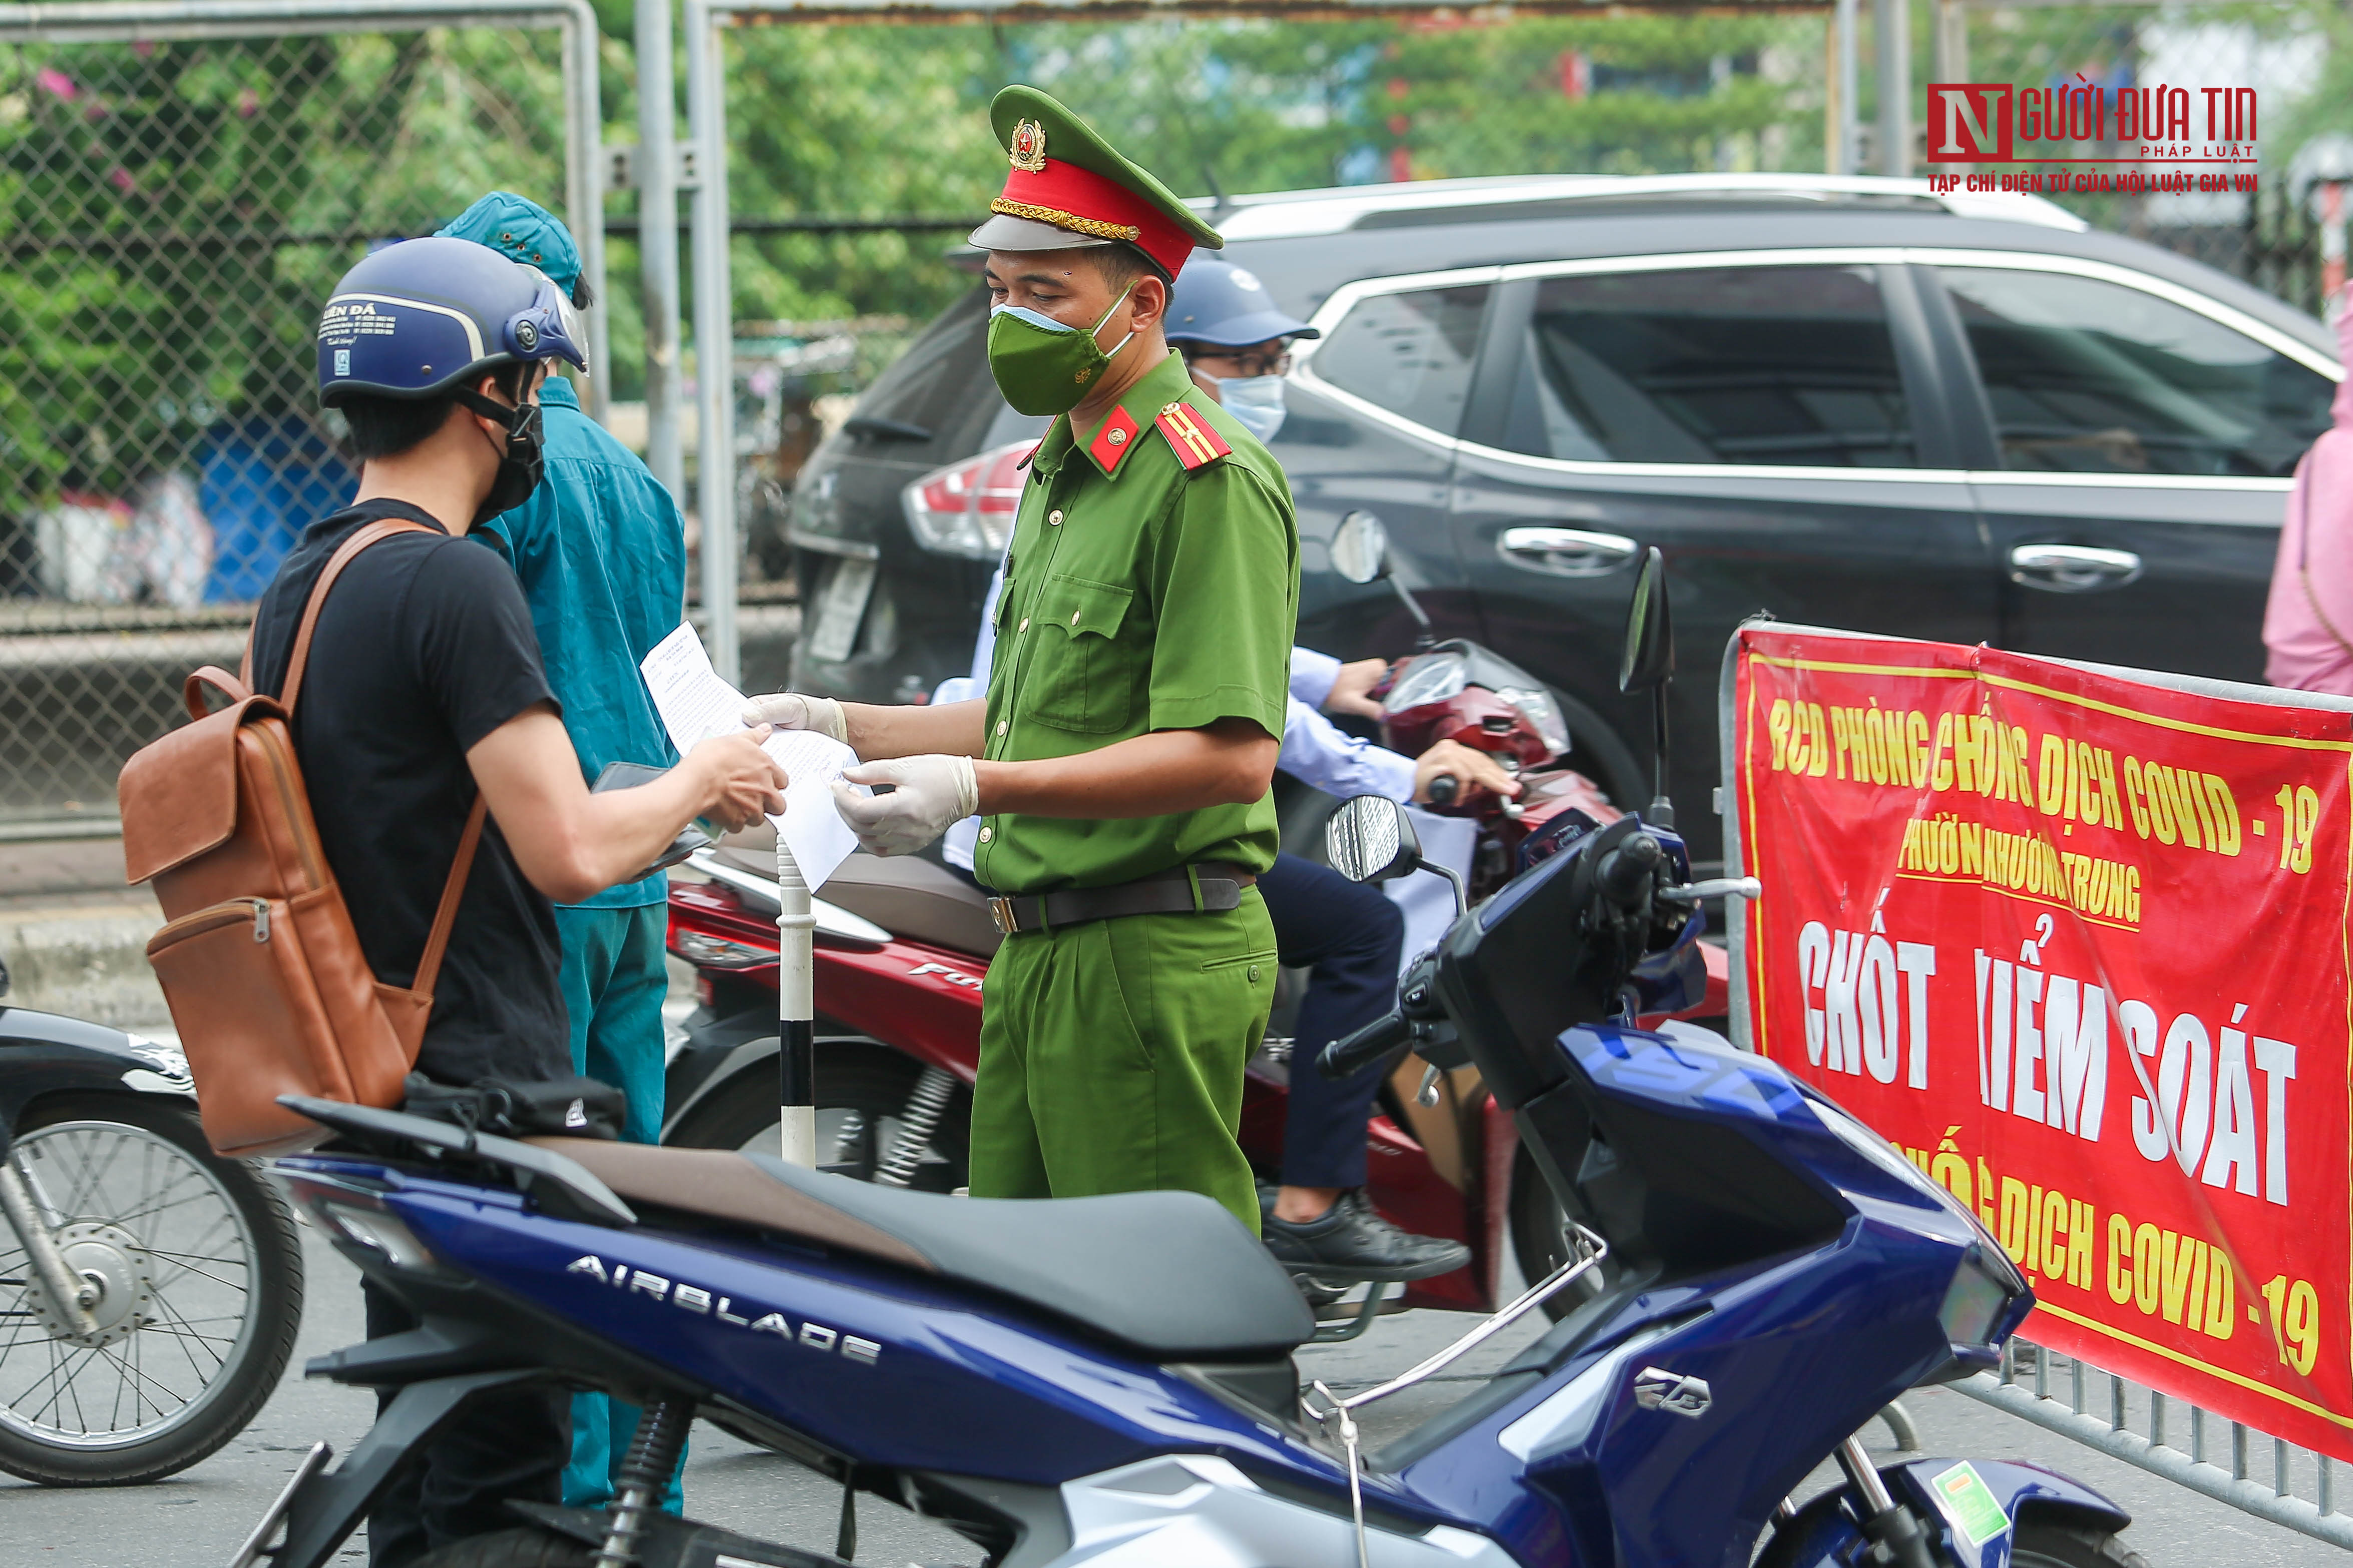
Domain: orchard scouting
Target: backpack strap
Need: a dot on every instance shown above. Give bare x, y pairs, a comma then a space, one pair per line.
373, 534
428, 966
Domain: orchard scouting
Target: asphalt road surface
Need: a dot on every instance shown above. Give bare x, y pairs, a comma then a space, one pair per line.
195, 1519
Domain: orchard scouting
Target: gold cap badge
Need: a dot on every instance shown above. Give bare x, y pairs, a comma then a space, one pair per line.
1028, 150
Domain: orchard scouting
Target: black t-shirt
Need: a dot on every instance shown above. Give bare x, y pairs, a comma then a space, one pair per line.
424, 646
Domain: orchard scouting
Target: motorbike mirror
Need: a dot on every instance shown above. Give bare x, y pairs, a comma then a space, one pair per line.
1371, 839
1360, 548
1650, 655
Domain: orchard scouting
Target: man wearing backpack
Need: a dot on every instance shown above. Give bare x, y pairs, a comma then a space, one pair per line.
600, 551
424, 688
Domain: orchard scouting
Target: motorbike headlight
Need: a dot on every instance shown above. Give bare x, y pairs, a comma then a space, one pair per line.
1430, 677
1536, 706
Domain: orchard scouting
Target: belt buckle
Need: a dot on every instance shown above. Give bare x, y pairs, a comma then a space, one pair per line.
1000, 915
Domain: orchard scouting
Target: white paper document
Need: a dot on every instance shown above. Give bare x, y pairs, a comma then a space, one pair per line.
695, 705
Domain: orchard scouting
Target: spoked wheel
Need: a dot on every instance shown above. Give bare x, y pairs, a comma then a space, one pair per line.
197, 1278
872, 1102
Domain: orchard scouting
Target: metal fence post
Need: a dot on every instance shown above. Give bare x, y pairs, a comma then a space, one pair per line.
714, 331
584, 191
1892, 28
657, 242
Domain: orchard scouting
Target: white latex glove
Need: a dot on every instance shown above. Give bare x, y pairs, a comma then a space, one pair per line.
932, 793
791, 711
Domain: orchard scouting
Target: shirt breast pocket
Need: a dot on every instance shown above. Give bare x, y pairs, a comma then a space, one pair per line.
1080, 679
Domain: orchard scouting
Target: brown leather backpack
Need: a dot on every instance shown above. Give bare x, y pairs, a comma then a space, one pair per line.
259, 964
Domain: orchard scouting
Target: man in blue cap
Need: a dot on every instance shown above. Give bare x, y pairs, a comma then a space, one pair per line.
1235, 343
601, 551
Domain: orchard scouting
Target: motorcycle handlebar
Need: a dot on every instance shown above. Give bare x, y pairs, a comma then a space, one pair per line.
1351, 1054
1628, 870
1443, 789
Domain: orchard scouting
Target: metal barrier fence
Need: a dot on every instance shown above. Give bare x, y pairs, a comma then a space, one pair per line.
2227, 1461
180, 184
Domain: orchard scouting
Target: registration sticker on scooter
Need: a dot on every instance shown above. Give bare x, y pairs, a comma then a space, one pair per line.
1969, 1504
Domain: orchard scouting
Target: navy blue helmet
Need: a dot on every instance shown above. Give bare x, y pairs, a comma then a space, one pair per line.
1225, 305
417, 319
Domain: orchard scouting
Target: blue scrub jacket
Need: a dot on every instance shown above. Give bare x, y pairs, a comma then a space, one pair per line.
600, 549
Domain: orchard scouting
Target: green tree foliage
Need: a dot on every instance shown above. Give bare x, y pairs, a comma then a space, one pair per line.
173, 213
850, 120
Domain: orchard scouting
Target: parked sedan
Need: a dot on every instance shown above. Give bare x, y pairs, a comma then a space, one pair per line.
1844, 402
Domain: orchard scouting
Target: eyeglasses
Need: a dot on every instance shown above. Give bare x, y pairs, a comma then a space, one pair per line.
1247, 362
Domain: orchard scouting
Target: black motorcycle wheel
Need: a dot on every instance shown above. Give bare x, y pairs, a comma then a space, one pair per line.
1540, 1237
204, 1271
864, 1092
510, 1549
2047, 1543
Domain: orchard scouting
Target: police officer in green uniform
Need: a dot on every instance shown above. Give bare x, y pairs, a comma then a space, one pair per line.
1122, 760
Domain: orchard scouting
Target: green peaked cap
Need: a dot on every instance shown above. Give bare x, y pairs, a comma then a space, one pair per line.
1169, 229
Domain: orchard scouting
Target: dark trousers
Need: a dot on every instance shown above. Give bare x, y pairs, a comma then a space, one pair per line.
1352, 934
505, 1445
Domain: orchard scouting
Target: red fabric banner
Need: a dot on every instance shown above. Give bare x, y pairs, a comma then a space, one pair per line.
2077, 945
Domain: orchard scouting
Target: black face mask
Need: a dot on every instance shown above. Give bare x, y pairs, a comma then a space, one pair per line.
522, 463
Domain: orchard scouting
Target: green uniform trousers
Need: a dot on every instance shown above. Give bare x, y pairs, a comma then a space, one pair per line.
1112, 1054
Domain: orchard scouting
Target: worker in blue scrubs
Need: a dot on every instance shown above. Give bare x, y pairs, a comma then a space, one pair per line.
601, 551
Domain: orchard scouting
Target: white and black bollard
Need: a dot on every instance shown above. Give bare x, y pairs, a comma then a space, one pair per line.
795, 1011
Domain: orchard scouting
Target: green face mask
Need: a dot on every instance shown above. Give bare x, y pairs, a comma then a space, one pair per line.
1043, 365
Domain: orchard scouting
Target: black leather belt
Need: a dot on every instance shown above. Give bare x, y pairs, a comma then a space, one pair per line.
1167, 893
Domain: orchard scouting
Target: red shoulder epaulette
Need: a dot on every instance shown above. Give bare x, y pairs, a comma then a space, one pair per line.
1111, 444
1190, 437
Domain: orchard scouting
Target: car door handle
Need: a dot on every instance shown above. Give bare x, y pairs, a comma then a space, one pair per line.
2071, 568
1565, 551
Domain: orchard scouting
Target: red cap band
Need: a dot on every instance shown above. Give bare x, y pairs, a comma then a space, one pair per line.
1084, 202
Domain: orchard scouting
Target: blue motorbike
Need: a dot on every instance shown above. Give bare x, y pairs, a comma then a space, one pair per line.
1110, 1381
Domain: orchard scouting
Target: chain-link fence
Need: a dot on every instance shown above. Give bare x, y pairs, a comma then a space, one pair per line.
173, 208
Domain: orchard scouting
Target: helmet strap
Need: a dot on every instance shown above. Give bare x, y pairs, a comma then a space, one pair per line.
489, 409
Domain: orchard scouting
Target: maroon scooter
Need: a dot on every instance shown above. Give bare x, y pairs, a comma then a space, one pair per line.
901, 952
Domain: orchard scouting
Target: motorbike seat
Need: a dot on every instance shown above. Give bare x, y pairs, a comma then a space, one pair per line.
1169, 1275
904, 894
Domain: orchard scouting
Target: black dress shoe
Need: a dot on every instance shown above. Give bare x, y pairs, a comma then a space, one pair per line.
1350, 1241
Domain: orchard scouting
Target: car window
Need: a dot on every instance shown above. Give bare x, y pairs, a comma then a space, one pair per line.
2088, 376
1409, 353
930, 384
1713, 365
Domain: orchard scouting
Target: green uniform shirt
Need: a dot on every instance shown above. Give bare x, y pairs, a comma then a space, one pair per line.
1139, 596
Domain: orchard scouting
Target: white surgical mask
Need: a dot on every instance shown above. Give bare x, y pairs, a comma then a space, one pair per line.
1256, 404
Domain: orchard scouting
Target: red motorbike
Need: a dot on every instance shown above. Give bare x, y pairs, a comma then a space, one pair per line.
902, 950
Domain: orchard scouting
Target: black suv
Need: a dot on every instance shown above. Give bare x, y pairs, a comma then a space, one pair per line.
1849, 403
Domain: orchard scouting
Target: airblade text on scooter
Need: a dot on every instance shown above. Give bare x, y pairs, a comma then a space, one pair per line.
703, 1303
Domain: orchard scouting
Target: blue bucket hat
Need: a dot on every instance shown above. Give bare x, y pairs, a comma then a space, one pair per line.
520, 227
1225, 305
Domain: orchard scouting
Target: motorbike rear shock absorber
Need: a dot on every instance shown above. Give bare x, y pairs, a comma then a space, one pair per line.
916, 1124
653, 1456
